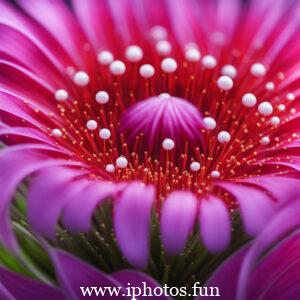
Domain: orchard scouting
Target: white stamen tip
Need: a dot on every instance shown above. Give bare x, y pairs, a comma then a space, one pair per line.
102, 97
275, 120
210, 123
290, 96
117, 67
265, 108
57, 132
134, 53
225, 83
215, 174
122, 162
229, 70
224, 137
270, 86
168, 144
249, 100
61, 95
81, 78
281, 107
163, 47
258, 70
158, 32
105, 57
192, 55
164, 96
195, 166
104, 134
147, 71
169, 65
110, 168
91, 125
209, 62
265, 140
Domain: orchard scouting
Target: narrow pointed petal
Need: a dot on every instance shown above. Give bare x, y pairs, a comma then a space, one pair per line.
132, 222
215, 224
177, 220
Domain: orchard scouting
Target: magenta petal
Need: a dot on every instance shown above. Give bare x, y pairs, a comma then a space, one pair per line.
74, 273
58, 186
215, 224
140, 280
227, 275
256, 206
19, 162
93, 194
13, 286
177, 220
132, 222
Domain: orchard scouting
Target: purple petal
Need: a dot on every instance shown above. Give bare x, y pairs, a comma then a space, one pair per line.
215, 225
227, 274
73, 273
14, 286
140, 280
256, 206
49, 192
93, 194
132, 222
285, 221
177, 220
18, 162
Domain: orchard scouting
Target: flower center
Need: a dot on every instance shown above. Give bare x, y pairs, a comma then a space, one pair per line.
163, 120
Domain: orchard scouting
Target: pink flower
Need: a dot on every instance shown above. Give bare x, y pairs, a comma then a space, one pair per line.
189, 108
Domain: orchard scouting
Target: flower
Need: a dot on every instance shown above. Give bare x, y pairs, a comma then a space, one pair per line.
187, 108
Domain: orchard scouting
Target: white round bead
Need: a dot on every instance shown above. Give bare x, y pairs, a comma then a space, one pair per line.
224, 137
281, 107
249, 100
210, 123
81, 78
163, 47
275, 120
121, 162
169, 65
91, 125
105, 57
195, 166
158, 32
102, 97
258, 70
61, 95
209, 62
57, 132
215, 174
134, 53
117, 67
290, 96
110, 168
104, 133
168, 144
164, 96
147, 71
225, 83
265, 140
265, 108
192, 55
270, 86
229, 70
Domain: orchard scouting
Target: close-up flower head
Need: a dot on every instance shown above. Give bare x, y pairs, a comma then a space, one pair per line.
150, 148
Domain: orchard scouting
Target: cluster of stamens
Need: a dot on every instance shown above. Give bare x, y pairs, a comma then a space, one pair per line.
240, 113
